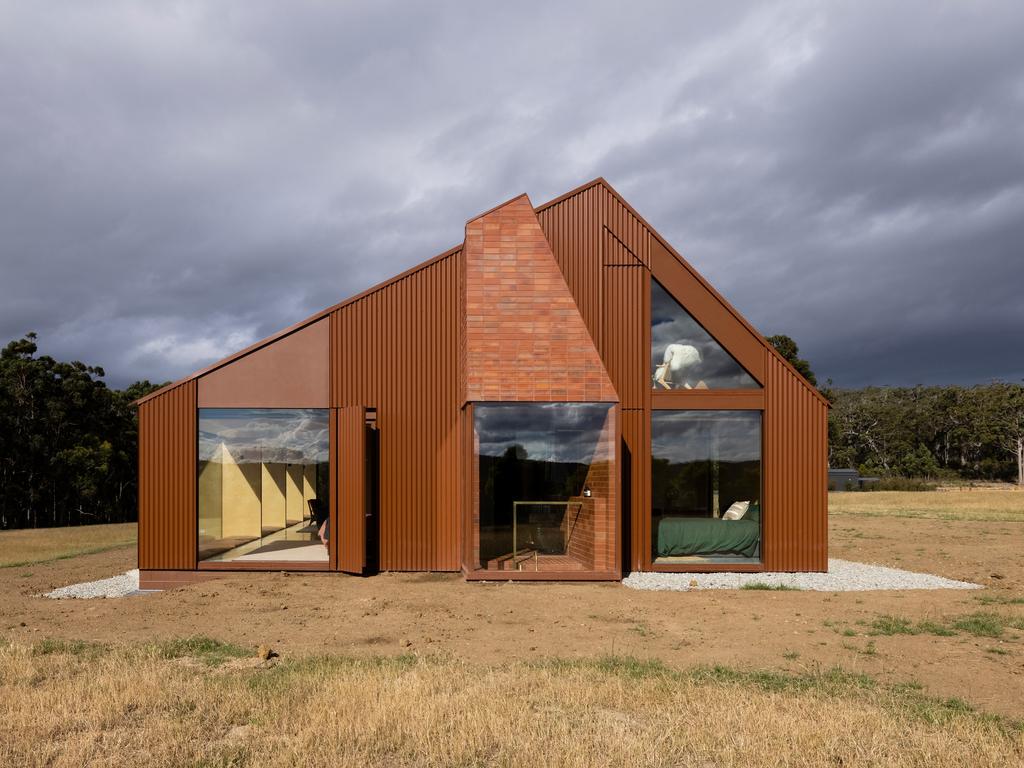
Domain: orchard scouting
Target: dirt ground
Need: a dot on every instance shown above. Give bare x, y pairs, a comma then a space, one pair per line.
494, 622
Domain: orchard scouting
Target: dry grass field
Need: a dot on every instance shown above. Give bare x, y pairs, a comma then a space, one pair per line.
426, 669
201, 703
40, 545
983, 504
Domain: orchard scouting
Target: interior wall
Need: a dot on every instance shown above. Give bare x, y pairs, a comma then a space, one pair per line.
294, 494
274, 499
240, 506
211, 496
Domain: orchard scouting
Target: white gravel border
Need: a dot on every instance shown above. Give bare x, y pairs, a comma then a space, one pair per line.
116, 586
842, 576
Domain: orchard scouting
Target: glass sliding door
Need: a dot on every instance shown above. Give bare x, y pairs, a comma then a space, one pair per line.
544, 487
263, 484
705, 487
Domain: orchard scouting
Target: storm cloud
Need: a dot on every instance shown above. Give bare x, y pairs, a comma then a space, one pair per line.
180, 179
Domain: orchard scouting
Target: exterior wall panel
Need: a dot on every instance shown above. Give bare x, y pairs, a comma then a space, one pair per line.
795, 473
620, 223
625, 351
293, 372
352, 491
573, 230
167, 480
395, 350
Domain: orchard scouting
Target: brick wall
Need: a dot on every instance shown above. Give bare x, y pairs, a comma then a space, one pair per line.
524, 338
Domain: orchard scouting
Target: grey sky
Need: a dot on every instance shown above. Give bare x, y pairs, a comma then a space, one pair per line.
178, 180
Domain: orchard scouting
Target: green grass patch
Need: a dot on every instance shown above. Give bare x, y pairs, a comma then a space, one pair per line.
895, 625
831, 682
981, 624
205, 649
80, 648
760, 585
892, 625
999, 600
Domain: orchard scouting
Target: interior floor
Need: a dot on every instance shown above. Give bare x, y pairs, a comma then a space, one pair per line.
296, 543
530, 560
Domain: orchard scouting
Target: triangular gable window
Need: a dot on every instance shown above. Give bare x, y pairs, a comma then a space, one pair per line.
684, 355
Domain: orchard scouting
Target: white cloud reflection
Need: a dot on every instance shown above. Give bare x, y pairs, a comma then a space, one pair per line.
279, 435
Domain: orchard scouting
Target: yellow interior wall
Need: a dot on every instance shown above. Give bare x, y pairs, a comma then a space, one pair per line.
275, 499
211, 503
309, 483
296, 504
241, 483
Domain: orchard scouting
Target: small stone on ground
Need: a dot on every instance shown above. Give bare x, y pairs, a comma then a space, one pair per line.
842, 576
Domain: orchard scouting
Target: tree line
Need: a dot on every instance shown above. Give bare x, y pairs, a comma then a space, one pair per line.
68, 443
970, 433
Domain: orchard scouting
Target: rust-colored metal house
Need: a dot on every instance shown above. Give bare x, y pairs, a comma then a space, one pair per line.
560, 397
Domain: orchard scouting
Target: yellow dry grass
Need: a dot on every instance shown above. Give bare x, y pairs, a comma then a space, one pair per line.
40, 545
68, 705
993, 505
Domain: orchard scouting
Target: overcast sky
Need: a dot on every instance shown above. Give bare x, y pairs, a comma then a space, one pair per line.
180, 179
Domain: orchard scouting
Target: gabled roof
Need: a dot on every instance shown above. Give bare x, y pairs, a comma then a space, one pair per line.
599, 181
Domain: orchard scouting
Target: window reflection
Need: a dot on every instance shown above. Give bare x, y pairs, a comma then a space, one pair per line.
706, 486
263, 480
545, 486
684, 355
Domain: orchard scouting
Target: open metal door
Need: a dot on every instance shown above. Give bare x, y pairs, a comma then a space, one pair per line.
353, 493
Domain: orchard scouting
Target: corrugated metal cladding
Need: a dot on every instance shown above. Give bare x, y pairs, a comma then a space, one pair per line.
625, 355
352, 490
795, 469
395, 350
167, 472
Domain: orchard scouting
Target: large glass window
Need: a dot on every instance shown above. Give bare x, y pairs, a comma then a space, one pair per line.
263, 484
706, 486
684, 355
545, 487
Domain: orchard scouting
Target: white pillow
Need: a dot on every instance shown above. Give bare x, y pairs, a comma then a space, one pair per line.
736, 511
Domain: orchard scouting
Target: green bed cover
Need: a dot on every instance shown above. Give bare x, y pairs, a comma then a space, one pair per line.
678, 536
